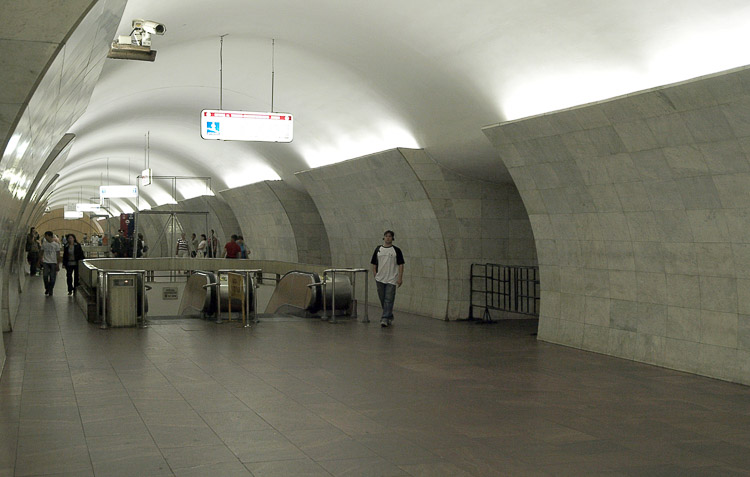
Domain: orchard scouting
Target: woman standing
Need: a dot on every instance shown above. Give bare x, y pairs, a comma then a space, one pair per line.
72, 254
200, 252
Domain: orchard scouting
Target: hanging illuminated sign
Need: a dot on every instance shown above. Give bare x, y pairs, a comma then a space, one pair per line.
88, 207
72, 215
246, 126
118, 192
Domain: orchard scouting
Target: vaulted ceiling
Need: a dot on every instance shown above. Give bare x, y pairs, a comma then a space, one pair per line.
361, 77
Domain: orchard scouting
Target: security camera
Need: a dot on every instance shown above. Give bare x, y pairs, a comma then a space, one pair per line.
154, 28
137, 45
143, 29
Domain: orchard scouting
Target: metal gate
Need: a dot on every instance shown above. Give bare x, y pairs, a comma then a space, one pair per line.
509, 288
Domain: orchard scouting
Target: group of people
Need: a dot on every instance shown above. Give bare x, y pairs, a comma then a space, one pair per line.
122, 246
46, 255
208, 247
387, 260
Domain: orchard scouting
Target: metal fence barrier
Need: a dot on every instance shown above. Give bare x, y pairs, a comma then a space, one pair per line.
352, 274
510, 288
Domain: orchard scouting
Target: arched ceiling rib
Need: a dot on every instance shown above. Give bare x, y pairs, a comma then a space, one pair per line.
361, 77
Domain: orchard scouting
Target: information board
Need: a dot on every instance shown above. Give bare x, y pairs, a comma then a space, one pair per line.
235, 286
246, 126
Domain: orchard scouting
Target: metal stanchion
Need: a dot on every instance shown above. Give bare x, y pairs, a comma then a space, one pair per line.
352, 274
248, 281
333, 296
144, 323
367, 279
102, 290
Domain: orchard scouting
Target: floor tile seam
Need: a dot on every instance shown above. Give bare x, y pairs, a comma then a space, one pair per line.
127, 392
186, 402
230, 358
78, 406
27, 332
407, 439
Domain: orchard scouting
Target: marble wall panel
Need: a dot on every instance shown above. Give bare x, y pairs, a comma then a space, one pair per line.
443, 222
667, 172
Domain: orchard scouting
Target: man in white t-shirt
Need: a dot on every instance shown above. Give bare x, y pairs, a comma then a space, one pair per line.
388, 269
50, 259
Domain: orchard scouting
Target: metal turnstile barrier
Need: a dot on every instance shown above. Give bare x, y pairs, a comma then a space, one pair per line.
249, 286
352, 274
121, 298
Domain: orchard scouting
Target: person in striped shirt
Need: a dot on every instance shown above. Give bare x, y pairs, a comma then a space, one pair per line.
183, 249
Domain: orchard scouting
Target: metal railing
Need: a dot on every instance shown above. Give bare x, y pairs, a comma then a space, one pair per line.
509, 288
352, 272
249, 279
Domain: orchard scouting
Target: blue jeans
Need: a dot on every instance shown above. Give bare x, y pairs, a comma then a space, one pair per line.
387, 295
49, 273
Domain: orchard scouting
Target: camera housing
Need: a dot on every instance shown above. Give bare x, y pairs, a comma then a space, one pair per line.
152, 27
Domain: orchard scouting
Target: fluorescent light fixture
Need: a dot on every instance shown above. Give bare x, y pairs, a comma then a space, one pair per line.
246, 126
72, 215
88, 207
146, 177
118, 191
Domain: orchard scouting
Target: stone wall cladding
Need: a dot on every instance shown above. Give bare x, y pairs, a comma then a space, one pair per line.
264, 223
481, 222
307, 226
280, 222
640, 207
443, 223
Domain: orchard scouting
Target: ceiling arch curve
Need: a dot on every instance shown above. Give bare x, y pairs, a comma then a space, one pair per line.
364, 77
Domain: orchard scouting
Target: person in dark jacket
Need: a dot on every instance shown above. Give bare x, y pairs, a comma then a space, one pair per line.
72, 255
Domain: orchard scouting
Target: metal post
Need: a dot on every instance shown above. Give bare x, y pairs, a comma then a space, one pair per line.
143, 299
255, 297
218, 297
323, 290
102, 290
367, 280
333, 297
248, 283
353, 277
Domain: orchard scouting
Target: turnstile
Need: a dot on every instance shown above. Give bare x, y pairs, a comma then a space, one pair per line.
122, 300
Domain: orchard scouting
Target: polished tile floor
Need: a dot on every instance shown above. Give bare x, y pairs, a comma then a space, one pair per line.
293, 397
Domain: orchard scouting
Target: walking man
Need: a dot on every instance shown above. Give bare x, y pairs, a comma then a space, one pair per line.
50, 260
388, 269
